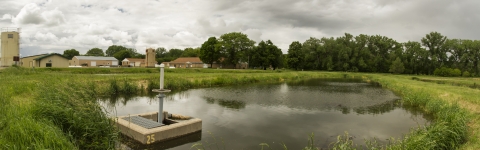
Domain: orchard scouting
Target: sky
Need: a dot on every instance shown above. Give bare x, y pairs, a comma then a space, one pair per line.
52, 26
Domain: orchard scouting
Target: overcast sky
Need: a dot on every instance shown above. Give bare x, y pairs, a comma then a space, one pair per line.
57, 25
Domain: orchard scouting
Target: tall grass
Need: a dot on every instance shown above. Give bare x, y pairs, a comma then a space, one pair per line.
448, 129
57, 108
77, 114
47, 111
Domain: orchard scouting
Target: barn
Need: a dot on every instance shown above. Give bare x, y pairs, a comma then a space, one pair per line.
93, 61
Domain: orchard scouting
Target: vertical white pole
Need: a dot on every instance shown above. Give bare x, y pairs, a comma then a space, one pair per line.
161, 76
161, 96
160, 108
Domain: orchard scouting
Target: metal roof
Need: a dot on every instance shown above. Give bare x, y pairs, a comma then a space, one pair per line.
134, 59
45, 56
95, 58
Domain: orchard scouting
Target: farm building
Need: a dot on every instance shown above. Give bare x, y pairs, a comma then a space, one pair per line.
44, 60
133, 62
93, 61
186, 62
195, 62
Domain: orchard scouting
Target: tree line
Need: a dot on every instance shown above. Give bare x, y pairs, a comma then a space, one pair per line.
434, 54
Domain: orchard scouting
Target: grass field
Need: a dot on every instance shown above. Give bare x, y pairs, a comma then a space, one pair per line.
51, 108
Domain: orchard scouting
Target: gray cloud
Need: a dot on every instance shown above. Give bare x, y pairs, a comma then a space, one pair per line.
56, 25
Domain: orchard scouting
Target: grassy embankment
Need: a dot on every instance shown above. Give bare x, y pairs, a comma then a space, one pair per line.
57, 108
40, 105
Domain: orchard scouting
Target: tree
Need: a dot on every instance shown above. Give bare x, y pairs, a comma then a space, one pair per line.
266, 54
70, 53
160, 52
208, 52
397, 66
111, 50
312, 56
415, 57
191, 52
174, 53
134, 54
434, 42
295, 56
121, 55
233, 47
95, 52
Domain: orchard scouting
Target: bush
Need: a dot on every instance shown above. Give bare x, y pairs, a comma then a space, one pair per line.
466, 74
447, 72
456, 73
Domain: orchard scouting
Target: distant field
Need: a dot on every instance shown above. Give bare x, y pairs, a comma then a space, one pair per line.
42, 95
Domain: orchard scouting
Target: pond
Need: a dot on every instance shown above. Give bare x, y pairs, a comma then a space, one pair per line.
242, 117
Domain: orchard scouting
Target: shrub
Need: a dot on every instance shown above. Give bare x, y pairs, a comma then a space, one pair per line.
466, 74
456, 73
447, 72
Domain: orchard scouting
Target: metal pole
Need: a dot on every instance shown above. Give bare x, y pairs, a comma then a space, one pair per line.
162, 66
160, 107
161, 95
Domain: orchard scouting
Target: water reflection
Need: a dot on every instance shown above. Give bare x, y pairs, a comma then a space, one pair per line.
233, 104
244, 116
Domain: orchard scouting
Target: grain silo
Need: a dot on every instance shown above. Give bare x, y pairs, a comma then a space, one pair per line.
150, 57
10, 49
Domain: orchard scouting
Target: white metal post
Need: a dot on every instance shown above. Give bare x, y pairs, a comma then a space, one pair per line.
162, 66
161, 96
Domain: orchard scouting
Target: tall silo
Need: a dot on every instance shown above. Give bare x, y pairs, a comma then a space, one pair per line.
150, 57
10, 50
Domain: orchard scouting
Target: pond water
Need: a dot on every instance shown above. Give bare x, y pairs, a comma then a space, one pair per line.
242, 117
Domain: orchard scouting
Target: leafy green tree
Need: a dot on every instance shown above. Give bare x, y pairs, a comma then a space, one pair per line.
160, 52
70, 53
474, 57
434, 42
363, 54
191, 52
111, 50
266, 54
95, 52
134, 54
275, 55
295, 58
397, 66
233, 47
170, 55
312, 56
121, 55
415, 57
174, 53
208, 53
346, 56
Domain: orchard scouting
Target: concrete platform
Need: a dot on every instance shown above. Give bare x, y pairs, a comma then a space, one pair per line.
171, 128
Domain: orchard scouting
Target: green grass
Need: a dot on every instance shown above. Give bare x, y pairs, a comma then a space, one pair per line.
56, 108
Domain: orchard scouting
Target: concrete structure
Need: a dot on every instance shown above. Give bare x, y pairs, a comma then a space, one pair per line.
171, 129
158, 126
150, 57
45, 60
10, 40
131, 144
93, 61
186, 62
133, 62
